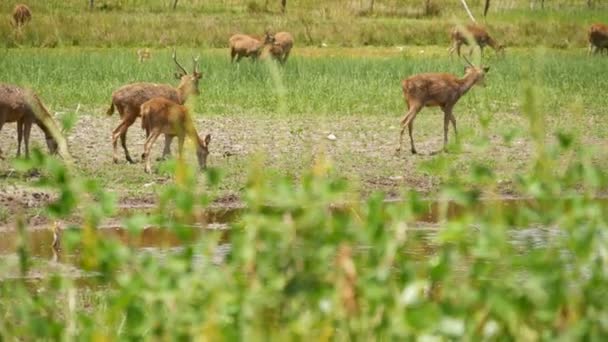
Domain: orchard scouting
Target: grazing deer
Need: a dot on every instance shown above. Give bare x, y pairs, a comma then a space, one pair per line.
283, 42
25, 108
598, 38
143, 55
21, 15
129, 98
437, 89
242, 45
478, 33
162, 116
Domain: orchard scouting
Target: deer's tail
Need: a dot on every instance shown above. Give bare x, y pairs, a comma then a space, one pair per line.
110, 110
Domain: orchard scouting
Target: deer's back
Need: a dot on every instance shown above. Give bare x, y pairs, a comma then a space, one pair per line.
16, 102
135, 94
598, 34
430, 89
284, 39
479, 33
166, 115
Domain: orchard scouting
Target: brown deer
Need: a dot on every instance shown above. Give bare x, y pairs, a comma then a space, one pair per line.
476, 32
242, 45
129, 98
162, 116
25, 108
598, 38
21, 15
143, 55
437, 89
283, 42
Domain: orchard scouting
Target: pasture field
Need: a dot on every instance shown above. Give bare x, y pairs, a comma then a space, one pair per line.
285, 114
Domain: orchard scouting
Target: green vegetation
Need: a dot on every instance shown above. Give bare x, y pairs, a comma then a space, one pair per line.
337, 23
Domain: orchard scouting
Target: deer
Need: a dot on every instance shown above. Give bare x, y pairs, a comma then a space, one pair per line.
478, 33
163, 116
129, 98
280, 49
143, 55
598, 38
437, 89
25, 108
242, 45
21, 15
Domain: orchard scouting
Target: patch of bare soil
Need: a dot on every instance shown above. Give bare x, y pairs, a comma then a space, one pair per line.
361, 148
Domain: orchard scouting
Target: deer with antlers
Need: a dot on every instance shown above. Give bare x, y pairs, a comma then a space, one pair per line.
437, 89
129, 98
478, 33
25, 108
162, 116
598, 38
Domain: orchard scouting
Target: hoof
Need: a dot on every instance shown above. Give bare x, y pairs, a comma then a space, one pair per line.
147, 170
130, 161
414, 151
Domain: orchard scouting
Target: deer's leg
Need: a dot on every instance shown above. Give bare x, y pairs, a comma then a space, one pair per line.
147, 147
232, 55
121, 132
27, 128
408, 121
19, 137
458, 47
180, 145
447, 118
1, 124
167, 148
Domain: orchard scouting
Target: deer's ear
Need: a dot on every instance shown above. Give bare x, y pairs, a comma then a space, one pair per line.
207, 139
178, 75
197, 75
486, 69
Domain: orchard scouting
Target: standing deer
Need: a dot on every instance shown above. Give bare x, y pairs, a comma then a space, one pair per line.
437, 89
21, 15
283, 42
598, 38
25, 108
478, 33
162, 116
242, 45
129, 98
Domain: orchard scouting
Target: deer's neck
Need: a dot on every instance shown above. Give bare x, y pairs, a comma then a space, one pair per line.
466, 83
183, 92
44, 129
492, 43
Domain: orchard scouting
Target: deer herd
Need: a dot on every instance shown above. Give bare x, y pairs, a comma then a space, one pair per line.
162, 110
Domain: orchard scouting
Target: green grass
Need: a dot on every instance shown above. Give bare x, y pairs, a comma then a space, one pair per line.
321, 85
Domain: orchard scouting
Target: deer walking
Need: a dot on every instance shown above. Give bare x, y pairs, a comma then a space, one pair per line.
242, 45
25, 108
162, 116
437, 89
598, 38
129, 98
280, 49
478, 33
21, 15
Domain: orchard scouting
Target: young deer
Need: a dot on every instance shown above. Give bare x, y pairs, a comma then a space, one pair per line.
21, 15
242, 45
280, 49
162, 116
598, 38
129, 98
478, 33
437, 89
25, 108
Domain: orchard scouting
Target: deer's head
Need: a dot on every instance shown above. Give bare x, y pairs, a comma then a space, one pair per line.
188, 82
477, 73
268, 38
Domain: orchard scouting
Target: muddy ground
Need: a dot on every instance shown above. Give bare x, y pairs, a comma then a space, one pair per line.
361, 148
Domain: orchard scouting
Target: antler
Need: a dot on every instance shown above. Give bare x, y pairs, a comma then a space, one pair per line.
467, 60
177, 63
196, 66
